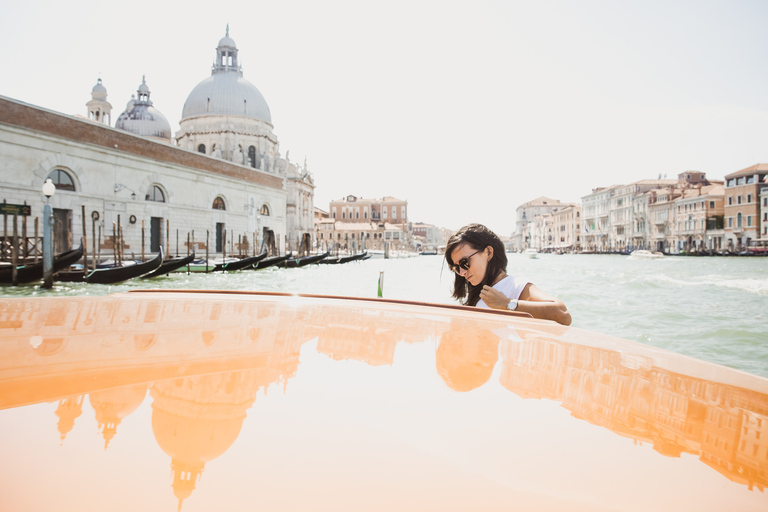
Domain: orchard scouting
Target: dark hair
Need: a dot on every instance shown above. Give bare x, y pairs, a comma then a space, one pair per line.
478, 237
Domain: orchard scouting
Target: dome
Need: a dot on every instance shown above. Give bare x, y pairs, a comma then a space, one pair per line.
99, 88
141, 118
226, 94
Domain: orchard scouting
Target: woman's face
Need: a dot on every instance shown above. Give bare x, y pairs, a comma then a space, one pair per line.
478, 262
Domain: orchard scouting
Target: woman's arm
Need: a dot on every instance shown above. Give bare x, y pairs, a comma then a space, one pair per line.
532, 300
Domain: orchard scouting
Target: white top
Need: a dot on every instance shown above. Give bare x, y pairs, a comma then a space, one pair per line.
510, 287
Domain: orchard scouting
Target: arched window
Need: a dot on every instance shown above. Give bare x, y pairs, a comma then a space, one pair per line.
218, 204
738, 220
62, 180
264, 210
252, 157
201, 148
155, 193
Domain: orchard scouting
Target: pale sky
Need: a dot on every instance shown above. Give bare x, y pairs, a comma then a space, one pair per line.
465, 109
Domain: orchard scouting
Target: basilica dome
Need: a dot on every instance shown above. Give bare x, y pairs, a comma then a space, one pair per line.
141, 118
226, 92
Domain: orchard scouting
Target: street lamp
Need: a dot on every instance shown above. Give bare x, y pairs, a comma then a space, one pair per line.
48, 190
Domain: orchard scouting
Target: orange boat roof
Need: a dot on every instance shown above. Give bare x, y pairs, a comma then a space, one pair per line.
234, 401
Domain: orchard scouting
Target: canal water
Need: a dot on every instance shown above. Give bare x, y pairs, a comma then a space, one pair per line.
714, 309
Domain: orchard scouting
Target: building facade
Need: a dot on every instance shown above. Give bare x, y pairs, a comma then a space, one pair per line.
743, 191
222, 181
525, 213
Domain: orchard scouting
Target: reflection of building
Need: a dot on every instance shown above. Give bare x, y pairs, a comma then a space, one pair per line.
68, 411
113, 405
726, 426
196, 419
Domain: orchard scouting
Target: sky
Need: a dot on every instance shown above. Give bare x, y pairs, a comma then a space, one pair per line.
464, 109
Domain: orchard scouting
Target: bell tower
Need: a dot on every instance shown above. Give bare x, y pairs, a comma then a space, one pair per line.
99, 109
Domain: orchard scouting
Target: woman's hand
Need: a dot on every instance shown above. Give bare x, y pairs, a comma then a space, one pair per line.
493, 298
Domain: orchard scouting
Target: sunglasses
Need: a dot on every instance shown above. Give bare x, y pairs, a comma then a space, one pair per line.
463, 263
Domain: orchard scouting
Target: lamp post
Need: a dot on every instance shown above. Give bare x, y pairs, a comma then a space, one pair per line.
48, 190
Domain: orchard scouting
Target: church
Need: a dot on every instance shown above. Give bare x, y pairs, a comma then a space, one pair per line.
219, 185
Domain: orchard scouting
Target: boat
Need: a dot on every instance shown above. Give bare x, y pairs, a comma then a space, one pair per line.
302, 262
34, 271
239, 264
428, 253
271, 261
112, 275
361, 403
170, 265
642, 254
531, 253
201, 265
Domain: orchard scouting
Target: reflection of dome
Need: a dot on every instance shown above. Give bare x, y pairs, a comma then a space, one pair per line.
68, 411
226, 92
142, 118
112, 405
196, 419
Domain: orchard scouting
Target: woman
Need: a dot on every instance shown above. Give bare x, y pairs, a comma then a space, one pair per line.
477, 257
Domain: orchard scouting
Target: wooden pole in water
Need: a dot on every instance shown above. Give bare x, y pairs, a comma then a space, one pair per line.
188, 266
177, 244
240, 245
168, 238
142, 240
24, 248
37, 251
85, 238
224, 245
93, 237
98, 250
207, 244
122, 243
5, 234
14, 255
114, 241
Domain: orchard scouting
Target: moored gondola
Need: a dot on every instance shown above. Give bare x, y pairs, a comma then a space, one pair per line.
271, 261
169, 266
113, 274
301, 262
34, 272
239, 264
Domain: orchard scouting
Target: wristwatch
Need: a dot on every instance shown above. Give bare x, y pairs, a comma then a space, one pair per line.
512, 304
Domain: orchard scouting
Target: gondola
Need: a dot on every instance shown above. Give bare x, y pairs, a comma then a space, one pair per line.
239, 264
271, 261
170, 266
301, 262
114, 274
34, 272
353, 257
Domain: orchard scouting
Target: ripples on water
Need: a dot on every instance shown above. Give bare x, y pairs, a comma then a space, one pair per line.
711, 308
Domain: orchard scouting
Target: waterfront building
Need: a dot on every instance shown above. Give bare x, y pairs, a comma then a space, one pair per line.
596, 209
566, 225
628, 214
764, 213
742, 206
525, 213
699, 223
224, 183
356, 223
427, 235
661, 212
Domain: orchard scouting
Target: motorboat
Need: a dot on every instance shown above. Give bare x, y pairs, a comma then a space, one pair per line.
290, 402
642, 254
531, 253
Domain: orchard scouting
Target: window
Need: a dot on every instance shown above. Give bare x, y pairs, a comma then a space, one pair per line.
738, 199
730, 222
155, 193
739, 220
334, 215
730, 183
749, 198
201, 148
252, 157
749, 220
218, 204
711, 204
62, 180
265, 211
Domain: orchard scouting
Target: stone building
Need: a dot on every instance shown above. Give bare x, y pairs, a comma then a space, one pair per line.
743, 191
224, 184
525, 214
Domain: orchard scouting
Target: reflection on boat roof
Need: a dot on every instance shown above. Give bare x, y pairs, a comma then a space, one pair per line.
340, 397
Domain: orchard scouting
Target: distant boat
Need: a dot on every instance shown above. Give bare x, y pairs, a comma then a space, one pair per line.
301, 262
271, 261
428, 253
642, 254
531, 253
